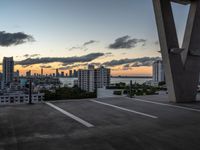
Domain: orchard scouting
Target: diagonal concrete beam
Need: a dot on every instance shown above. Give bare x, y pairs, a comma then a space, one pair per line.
192, 32
180, 64
168, 39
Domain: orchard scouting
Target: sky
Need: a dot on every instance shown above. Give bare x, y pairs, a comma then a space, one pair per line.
70, 34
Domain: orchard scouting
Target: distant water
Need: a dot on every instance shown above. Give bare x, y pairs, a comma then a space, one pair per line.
127, 80
70, 81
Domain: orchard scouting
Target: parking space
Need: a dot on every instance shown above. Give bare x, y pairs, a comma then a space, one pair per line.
171, 115
164, 99
100, 115
24, 125
98, 124
155, 107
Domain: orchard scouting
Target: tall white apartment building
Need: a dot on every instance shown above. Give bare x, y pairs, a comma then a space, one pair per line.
86, 80
91, 79
158, 71
102, 77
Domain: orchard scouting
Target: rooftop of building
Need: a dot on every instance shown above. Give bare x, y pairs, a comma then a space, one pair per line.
7, 58
148, 122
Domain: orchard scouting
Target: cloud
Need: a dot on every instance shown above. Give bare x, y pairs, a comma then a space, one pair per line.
126, 42
26, 55
65, 68
89, 42
136, 62
34, 55
83, 46
25, 66
96, 64
65, 60
75, 47
109, 54
145, 63
9, 39
47, 67
74, 65
68, 67
30, 56
127, 67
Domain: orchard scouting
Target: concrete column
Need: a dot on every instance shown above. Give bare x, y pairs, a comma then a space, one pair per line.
181, 65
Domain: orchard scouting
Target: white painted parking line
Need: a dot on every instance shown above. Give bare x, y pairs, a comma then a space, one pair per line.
125, 109
85, 123
163, 104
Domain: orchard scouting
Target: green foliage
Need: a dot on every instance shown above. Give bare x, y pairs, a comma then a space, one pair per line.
120, 85
162, 83
67, 93
141, 89
125, 92
117, 92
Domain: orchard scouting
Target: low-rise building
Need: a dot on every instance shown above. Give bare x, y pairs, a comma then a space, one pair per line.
19, 98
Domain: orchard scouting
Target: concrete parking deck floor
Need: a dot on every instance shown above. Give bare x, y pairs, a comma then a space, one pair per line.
148, 123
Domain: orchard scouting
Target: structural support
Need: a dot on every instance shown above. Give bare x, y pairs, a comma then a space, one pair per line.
181, 64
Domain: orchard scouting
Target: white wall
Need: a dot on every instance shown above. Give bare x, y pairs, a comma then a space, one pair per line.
103, 92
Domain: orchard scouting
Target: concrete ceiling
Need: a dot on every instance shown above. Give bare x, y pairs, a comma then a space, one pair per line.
185, 2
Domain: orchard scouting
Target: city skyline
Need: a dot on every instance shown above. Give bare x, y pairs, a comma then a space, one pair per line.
120, 35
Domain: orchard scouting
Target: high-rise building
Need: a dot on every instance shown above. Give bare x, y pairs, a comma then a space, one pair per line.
90, 66
70, 73
57, 73
28, 73
1, 80
17, 73
86, 80
102, 77
62, 74
42, 71
92, 78
16, 76
8, 70
158, 71
75, 73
